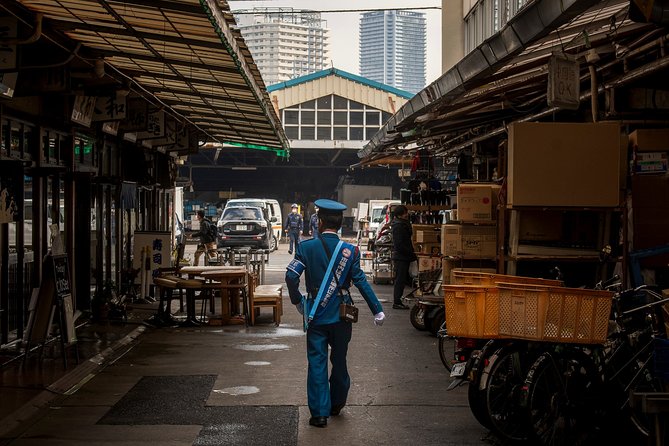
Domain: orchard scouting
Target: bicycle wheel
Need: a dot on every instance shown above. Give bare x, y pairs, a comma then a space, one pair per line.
507, 370
476, 396
560, 396
446, 347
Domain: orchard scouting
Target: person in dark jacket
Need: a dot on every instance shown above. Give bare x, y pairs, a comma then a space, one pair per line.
403, 253
207, 240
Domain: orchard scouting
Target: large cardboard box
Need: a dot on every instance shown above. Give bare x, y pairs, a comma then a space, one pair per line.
469, 240
565, 164
477, 202
429, 236
428, 263
650, 140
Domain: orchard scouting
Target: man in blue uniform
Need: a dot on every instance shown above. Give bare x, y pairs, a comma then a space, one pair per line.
293, 227
329, 265
313, 224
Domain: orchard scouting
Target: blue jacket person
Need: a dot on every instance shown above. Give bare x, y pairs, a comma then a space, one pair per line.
293, 227
329, 266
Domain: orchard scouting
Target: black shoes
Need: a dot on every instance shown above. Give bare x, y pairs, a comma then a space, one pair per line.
400, 307
318, 421
336, 409
290, 252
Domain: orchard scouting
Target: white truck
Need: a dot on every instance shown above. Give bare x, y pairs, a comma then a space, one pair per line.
379, 214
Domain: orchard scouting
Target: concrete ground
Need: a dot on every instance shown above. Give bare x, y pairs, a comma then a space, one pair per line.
233, 385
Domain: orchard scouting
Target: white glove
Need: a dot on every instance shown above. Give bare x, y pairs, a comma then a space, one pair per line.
300, 308
379, 318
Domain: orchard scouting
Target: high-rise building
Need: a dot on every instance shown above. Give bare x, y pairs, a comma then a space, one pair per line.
392, 48
285, 43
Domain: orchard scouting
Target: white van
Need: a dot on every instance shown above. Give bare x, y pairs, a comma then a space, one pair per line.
273, 210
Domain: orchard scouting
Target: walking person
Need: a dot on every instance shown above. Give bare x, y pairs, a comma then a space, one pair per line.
293, 227
403, 253
330, 266
207, 235
313, 223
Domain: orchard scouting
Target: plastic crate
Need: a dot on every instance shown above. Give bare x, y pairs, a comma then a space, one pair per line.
661, 359
488, 279
553, 314
471, 311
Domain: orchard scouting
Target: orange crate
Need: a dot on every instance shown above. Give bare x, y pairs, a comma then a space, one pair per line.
577, 316
471, 311
488, 279
553, 314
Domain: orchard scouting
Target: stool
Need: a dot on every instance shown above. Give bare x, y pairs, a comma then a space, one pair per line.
267, 296
181, 290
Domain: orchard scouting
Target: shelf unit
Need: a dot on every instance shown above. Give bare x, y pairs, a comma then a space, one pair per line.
518, 252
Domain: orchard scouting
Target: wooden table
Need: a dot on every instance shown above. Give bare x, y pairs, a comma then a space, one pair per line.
231, 280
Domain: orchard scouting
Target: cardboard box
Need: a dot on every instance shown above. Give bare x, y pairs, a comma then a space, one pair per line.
469, 241
650, 140
429, 236
430, 248
428, 263
477, 202
565, 164
650, 162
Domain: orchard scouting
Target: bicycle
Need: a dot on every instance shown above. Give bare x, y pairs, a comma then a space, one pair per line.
565, 387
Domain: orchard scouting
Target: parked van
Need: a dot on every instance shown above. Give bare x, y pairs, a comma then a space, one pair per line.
273, 211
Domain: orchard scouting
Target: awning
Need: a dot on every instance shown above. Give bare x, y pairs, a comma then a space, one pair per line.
182, 52
505, 78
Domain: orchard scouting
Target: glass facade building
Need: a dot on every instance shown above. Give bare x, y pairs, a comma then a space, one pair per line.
393, 48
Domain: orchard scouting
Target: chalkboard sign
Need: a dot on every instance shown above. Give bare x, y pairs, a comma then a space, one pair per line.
61, 275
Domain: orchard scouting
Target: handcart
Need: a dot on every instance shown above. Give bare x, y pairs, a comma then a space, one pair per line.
427, 312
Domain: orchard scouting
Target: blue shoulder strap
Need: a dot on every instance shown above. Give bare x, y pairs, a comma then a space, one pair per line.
327, 278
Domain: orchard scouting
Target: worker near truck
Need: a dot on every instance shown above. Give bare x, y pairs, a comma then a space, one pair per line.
293, 227
403, 253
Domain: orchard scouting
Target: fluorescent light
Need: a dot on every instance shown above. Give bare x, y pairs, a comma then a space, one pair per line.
243, 168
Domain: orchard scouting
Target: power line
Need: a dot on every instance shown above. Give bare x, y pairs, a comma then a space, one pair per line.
326, 11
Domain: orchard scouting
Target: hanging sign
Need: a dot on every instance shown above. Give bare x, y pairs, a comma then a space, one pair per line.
564, 84
110, 108
82, 112
155, 127
137, 115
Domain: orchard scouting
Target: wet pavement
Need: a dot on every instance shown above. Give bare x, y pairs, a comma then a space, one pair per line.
235, 385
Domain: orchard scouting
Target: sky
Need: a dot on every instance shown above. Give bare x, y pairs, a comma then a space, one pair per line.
345, 27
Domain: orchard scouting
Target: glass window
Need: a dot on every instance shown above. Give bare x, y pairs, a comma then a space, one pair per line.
324, 133
372, 118
292, 132
308, 133
310, 105
290, 116
324, 118
325, 103
356, 106
385, 117
340, 103
340, 133
308, 117
356, 118
239, 213
370, 132
356, 134
340, 118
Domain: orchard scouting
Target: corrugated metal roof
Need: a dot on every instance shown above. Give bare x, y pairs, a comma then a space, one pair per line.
184, 53
505, 78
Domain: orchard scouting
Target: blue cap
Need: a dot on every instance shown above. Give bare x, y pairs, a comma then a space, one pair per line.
331, 206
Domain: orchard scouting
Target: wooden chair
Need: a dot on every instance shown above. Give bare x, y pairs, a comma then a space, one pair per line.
266, 296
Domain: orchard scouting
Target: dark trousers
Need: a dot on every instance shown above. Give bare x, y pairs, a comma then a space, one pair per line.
401, 274
294, 237
322, 393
